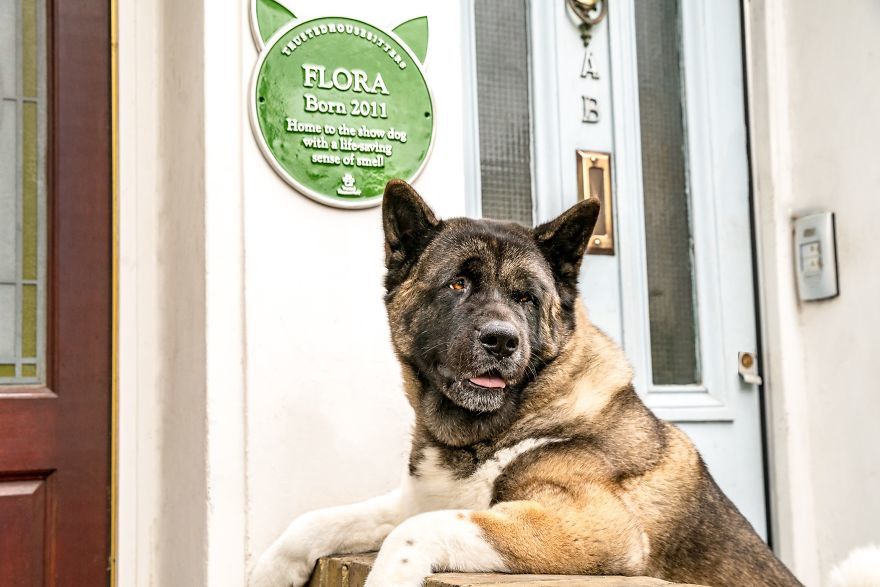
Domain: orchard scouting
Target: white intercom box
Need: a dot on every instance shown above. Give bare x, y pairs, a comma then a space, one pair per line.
815, 252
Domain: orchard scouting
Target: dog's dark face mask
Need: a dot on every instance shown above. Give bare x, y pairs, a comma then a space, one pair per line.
478, 308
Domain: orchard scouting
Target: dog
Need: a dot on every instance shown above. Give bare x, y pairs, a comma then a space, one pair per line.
531, 451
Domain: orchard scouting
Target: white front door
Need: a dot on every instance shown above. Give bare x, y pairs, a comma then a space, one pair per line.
660, 90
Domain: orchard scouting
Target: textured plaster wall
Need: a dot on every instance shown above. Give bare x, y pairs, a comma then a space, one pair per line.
835, 122
180, 441
182, 301
815, 91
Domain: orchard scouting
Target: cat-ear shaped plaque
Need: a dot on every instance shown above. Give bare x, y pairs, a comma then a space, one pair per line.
340, 106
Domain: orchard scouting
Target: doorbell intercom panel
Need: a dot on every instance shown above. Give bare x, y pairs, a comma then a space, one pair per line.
815, 252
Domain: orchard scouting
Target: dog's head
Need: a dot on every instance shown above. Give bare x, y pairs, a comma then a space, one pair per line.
477, 308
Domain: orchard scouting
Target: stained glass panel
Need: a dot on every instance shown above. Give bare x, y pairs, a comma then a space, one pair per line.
22, 191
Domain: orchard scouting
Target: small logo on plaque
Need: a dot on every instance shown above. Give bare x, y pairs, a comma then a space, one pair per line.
340, 106
348, 188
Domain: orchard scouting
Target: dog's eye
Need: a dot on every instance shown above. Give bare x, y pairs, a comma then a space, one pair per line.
458, 284
522, 297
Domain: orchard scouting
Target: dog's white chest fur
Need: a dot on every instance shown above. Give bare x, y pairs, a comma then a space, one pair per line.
436, 488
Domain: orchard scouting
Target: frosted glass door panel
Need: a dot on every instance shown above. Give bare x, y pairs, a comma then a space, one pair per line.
503, 108
671, 304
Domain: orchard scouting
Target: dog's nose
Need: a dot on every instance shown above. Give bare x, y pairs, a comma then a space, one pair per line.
499, 338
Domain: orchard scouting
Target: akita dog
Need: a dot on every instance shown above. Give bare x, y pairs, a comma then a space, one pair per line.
532, 452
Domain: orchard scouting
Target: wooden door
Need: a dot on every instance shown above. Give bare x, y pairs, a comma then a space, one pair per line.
55, 389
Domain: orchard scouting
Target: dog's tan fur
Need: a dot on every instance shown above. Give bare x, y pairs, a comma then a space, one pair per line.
626, 493
618, 500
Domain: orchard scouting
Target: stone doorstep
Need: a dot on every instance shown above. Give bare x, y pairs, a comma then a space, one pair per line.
351, 571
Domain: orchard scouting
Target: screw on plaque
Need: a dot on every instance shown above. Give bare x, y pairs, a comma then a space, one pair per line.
591, 13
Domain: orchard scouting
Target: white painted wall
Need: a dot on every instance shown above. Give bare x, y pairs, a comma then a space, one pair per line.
815, 92
327, 420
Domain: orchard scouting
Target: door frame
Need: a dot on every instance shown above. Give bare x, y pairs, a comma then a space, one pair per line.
114, 382
80, 161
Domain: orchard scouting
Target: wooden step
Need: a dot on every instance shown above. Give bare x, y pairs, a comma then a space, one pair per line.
351, 571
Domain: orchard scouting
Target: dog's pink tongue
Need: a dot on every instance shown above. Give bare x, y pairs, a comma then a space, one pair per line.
488, 381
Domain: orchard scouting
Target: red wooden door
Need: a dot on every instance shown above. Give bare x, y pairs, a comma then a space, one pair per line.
55, 435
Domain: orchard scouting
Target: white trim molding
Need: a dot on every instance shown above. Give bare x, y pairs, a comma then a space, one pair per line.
718, 201
181, 485
471, 127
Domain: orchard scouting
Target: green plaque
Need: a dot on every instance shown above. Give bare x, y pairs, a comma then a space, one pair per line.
340, 106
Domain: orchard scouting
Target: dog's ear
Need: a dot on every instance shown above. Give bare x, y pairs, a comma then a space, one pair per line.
564, 240
409, 226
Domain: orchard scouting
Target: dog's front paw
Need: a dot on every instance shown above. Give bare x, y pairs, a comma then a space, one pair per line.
277, 570
399, 567
400, 576
404, 560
